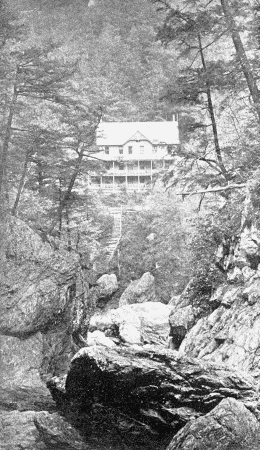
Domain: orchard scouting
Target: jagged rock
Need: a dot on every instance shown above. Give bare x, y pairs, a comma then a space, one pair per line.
136, 324
174, 300
251, 293
249, 242
107, 284
17, 431
181, 320
247, 273
99, 338
188, 308
21, 386
44, 305
139, 291
38, 285
101, 293
228, 426
231, 333
57, 433
153, 387
235, 275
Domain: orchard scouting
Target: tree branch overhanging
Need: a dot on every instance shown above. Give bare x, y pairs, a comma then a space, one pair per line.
217, 189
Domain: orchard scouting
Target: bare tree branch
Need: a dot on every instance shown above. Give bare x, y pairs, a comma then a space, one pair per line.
218, 189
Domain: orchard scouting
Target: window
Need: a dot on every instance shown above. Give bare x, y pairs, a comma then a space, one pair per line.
141, 149
154, 149
121, 166
109, 165
107, 150
120, 150
170, 149
130, 150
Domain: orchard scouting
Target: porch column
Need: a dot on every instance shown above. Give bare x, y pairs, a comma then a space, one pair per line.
138, 174
126, 172
113, 175
151, 170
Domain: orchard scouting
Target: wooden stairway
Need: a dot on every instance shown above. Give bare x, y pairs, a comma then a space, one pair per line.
110, 246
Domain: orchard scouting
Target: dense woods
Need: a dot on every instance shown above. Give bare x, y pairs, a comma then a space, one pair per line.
66, 65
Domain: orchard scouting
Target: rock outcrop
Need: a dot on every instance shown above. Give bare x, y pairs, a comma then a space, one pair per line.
148, 392
139, 291
230, 334
107, 284
40, 288
44, 309
99, 338
228, 426
146, 323
103, 290
57, 433
18, 431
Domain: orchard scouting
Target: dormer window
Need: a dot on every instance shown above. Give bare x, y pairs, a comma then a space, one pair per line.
107, 150
120, 150
141, 149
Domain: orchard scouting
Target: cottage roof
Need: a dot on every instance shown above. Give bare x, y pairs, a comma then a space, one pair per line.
118, 133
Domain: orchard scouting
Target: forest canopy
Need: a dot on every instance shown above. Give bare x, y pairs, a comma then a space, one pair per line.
65, 65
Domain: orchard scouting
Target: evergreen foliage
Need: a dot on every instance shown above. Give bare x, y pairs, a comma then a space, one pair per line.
156, 240
64, 65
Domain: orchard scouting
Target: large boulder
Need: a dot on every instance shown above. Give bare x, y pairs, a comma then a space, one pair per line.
146, 323
228, 426
107, 285
102, 293
44, 307
148, 393
139, 291
39, 286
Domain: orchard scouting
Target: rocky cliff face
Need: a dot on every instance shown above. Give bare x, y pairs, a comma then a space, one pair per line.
230, 334
203, 393
125, 384
44, 308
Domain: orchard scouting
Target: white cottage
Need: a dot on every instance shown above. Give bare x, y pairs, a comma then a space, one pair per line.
134, 152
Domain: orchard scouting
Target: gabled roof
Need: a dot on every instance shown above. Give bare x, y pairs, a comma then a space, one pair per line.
118, 133
138, 137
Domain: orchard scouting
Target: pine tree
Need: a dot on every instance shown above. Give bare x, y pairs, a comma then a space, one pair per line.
211, 80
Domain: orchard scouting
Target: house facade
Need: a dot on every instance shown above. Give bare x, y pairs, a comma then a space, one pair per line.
134, 152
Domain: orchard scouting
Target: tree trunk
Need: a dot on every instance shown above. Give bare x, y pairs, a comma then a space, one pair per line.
40, 176
63, 201
241, 54
211, 113
7, 136
22, 182
69, 246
